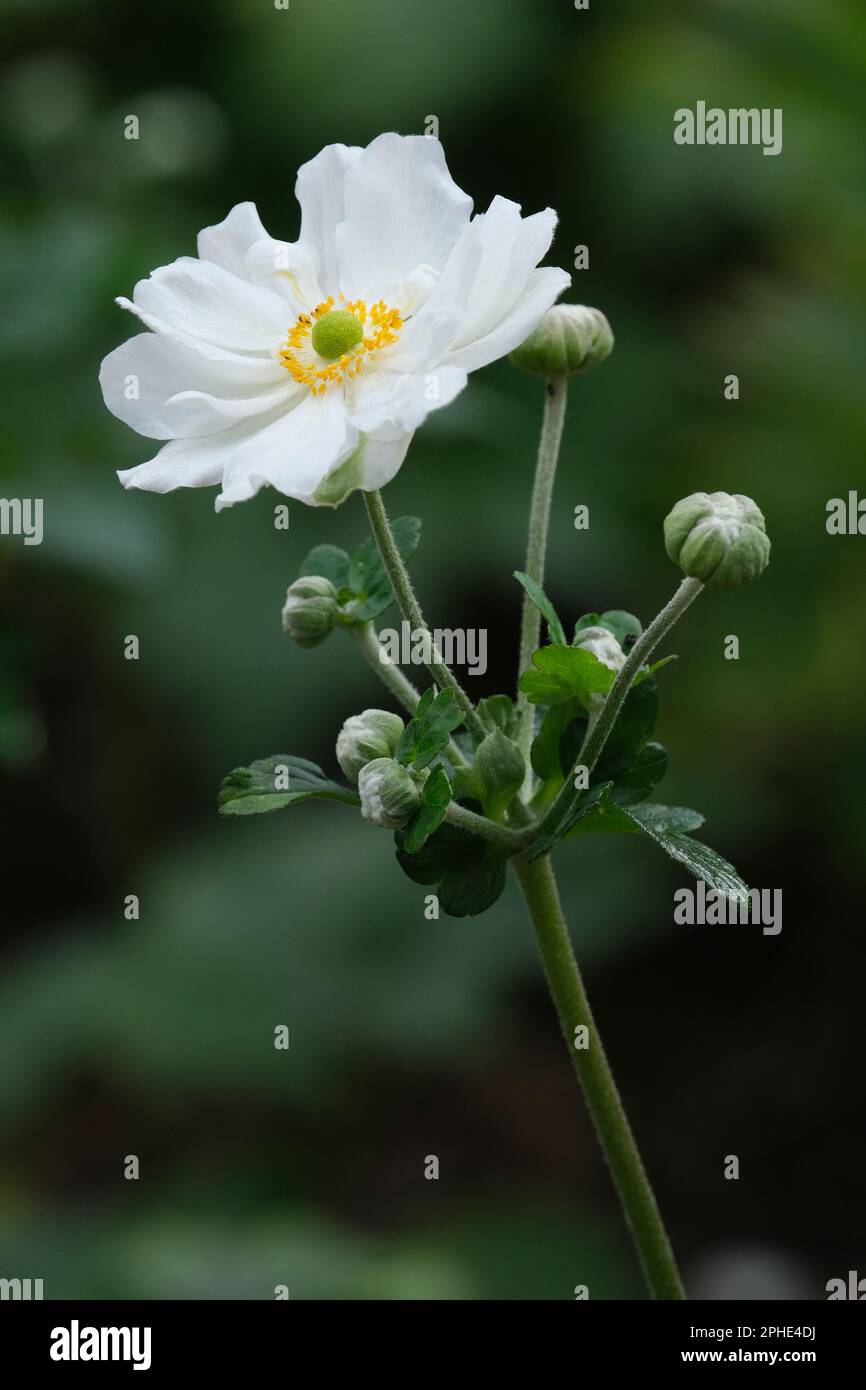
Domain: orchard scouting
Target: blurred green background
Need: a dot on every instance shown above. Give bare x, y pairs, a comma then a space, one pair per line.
411, 1037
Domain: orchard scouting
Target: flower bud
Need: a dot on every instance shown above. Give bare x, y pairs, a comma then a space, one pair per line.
310, 610
363, 737
389, 794
718, 537
570, 339
602, 643
501, 766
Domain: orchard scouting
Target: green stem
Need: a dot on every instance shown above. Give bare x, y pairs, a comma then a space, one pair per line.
599, 730
538, 885
556, 394
500, 835
411, 609
364, 636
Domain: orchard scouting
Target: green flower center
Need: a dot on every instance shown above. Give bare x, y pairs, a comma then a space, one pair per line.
335, 334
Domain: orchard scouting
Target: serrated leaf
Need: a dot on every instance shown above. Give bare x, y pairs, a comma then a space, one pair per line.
633, 727
435, 799
330, 561
367, 577
269, 784
566, 820
429, 730
544, 606
565, 673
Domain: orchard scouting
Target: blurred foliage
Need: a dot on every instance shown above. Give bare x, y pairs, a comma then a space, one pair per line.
410, 1036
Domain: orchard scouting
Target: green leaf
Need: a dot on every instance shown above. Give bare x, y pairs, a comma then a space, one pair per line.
648, 670
428, 732
644, 775
269, 784
499, 712
634, 726
470, 876
367, 577
565, 673
567, 820
329, 561
545, 756
625, 627
435, 798
544, 606
668, 826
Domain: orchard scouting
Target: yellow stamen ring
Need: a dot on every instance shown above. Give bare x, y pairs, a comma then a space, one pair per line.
379, 327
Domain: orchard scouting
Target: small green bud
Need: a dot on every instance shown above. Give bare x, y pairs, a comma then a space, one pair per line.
363, 737
500, 765
570, 339
718, 537
310, 610
336, 333
389, 793
602, 643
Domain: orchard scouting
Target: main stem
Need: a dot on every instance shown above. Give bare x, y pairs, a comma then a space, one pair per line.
538, 885
411, 609
556, 393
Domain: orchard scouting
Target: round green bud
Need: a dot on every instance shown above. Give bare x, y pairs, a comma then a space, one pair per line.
389, 794
336, 333
718, 537
363, 737
310, 610
603, 645
500, 765
570, 339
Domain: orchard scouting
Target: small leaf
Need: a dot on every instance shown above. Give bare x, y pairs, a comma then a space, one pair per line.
648, 670
367, 576
565, 673
633, 727
568, 819
625, 627
544, 606
269, 784
545, 754
498, 712
435, 798
329, 561
428, 732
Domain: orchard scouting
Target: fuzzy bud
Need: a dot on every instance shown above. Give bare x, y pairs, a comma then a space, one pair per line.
364, 737
310, 610
717, 537
570, 339
389, 794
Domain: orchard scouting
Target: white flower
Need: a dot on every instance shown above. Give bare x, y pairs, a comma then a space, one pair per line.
603, 645
307, 365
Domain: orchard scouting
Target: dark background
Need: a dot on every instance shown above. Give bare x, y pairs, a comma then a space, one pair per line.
411, 1037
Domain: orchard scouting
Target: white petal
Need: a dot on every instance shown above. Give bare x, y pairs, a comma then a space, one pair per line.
374, 463
319, 190
150, 380
227, 243
544, 287
403, 210
403, 400
294, 453
288, 268
201, 303
195, 462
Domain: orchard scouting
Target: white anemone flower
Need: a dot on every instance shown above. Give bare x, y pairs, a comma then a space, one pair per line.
308, 365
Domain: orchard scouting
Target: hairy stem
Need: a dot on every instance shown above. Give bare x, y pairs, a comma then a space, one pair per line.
556, 393
538, 885
411, 609
364, 636
500, 835
599, 730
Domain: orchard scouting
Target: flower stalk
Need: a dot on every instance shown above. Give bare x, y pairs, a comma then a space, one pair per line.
411, 609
